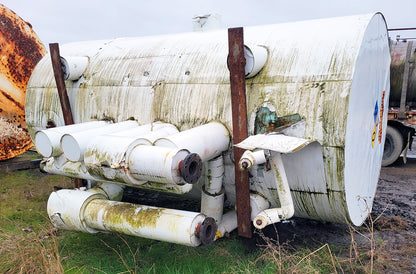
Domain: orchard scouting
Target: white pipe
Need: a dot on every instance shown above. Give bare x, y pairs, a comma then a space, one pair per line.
110, 150
161, 224
159, 130
164, 165
251, 158
227, 225
74, 66
66, 206
61, 166
215, 175
287, 209
48, 141
212, 205
212, 196
257, 204
106, 157
256, 57
208, 141
113, 192
73, 145
92, 212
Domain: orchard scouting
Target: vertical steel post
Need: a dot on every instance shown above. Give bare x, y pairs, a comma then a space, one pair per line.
63, 95
236, 65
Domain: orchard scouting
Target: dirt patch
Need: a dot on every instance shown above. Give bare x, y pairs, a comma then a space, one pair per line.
396, 191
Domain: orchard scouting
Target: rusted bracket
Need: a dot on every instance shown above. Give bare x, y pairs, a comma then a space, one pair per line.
63, 95
60, 83
236, 65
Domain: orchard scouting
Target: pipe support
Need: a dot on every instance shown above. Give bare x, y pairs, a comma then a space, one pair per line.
287, 209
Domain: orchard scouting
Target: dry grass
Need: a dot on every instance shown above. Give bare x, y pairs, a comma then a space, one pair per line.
285, 258
382, 244
25, 250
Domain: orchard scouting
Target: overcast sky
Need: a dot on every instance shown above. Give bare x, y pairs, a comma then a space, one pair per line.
78, 20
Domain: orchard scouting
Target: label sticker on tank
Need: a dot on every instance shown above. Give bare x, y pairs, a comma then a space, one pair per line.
380, 128
375, 115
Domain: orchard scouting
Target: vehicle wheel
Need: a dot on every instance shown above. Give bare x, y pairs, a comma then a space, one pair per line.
392, 147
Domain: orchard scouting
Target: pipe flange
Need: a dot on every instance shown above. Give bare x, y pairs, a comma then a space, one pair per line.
207, 231
191, 168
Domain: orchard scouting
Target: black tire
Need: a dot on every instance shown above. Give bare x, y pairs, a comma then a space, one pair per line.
393, 146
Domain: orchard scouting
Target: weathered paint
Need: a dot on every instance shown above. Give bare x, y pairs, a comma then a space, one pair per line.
330, 72
20, 50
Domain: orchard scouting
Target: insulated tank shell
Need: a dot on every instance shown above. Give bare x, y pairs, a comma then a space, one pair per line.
333, 72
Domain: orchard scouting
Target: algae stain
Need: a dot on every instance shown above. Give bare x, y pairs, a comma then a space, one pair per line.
135, 216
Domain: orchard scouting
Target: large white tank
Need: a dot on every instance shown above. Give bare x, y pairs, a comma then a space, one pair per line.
333, 72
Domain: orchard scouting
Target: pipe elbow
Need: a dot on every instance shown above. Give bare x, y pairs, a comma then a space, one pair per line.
273, 215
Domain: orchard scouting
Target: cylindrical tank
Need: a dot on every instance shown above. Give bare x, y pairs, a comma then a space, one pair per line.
333, 72
398, 51
20, 51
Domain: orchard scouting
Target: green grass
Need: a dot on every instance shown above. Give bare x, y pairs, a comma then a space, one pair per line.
23, 207
28, 244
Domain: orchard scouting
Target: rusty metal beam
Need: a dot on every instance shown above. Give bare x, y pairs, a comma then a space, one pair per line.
63, 95
236, 65
60, 83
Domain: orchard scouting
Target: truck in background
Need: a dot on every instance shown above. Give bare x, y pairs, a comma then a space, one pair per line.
402, 104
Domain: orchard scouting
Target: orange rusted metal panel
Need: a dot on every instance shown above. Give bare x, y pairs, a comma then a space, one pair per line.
20, 51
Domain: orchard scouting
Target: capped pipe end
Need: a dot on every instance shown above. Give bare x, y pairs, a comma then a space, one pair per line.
260, 222
207, 231
245, 164
43, 144
71, 148
191, 168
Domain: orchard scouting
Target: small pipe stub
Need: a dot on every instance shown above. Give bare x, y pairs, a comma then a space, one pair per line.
207, 231
191, 168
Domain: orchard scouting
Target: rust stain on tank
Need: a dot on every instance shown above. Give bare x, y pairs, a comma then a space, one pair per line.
20, 51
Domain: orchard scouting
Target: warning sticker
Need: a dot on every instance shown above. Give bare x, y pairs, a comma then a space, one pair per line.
374, 135
380, 128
